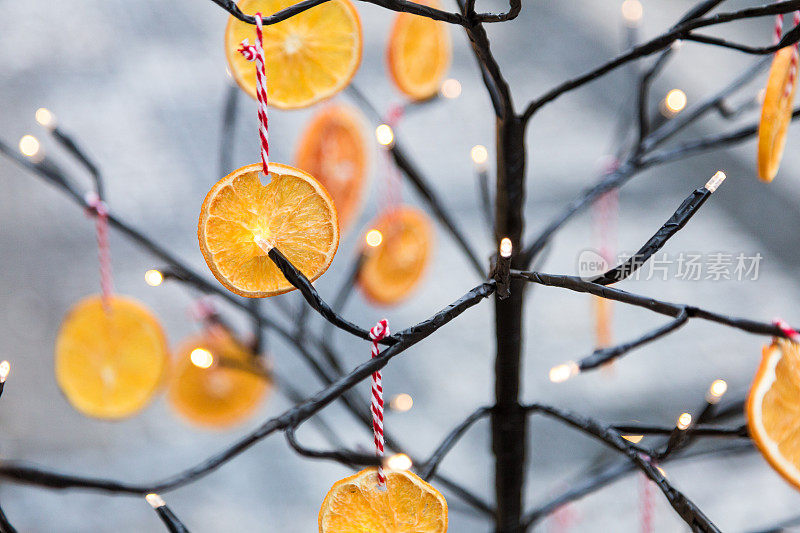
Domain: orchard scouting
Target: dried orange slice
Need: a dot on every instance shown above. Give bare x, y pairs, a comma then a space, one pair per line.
419, 54
395, 266
333, 150
309, 57
110, 364
356, 504
776, 114
292, 212
773, 409
225, 392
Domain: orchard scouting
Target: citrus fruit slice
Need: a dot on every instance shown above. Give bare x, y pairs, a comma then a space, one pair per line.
419, 54
109, 364
356, 504
221, 392
773, 409
292, 212
333, 149
395, 266
776, 114
309, 57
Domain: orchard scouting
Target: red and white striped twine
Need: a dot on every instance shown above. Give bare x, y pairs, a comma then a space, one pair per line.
777, 39
99, 210
377, 333
256, 53
645, 504
787, 329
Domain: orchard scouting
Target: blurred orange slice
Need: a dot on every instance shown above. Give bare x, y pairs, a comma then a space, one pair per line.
309, 57
333, 150
773, 409
110, 364
218, 387
355, 505
776, 114
395, 266
419, 54
292, 212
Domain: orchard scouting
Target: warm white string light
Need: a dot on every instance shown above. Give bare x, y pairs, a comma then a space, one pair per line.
384, 135
479, 155
398, 461
684, 421
153, 277
636, 439
715, 181
506, 247
30, 146
632, 12
451, 88
5, 370
155, 500
717, 389
401, 403
674, 102
561, 373
201, 358
374, 238
46, 118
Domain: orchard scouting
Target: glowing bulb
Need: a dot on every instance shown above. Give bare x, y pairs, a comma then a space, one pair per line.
636, 439
384, 134
402, 402
29, 145
716, 390
561, 373
374, 238
451, 88
155, 500
479, 154
398, 461
675, 101
45, 118
201, 358
505, 247
632, 11
153, 278
715, 181
684, 421
662, 471
5, 369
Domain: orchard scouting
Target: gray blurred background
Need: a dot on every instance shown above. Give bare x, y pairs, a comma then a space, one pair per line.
142, 84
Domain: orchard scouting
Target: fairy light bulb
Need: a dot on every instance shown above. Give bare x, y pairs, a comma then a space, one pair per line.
505, 247
674, 102
29, 146
684, 421
636, 439
717, 389
479, 154
398, 461
715, 181
402, 403
155, 500
374, 238
201, 358
561, 373
632, 12
45, 118
451, 88
384, 135
154, 278
5, 369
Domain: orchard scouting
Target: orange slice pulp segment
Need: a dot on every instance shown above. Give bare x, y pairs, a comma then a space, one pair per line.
776, 114
309, 57
356, 504
109, 364
292, 212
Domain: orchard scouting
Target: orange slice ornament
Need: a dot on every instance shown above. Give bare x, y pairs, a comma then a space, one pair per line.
109, 363
773, 408
776, 113
419, 54
310, 56
399, 250
216, 382
356, 504
241, 219
333, 149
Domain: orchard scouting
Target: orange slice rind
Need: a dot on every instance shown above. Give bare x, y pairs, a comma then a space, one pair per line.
241, 219
109, 364
356, 504
773, 409
333, 150
394, 267
309, 57
776, 114
419, 54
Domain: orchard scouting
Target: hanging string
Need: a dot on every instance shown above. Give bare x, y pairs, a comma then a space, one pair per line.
98, 209
605, 214
787, 330
256, 53
377, 333
645, 504
777, 38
